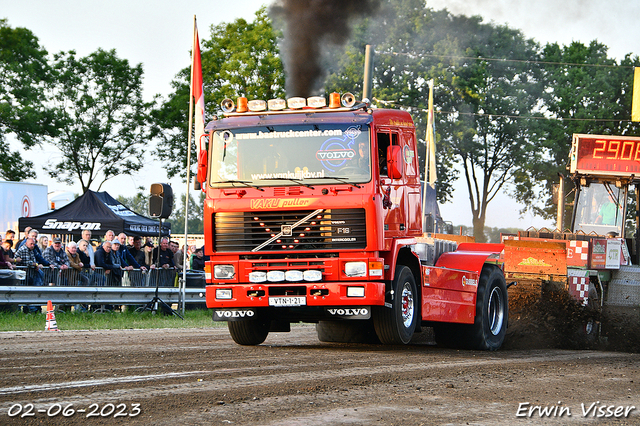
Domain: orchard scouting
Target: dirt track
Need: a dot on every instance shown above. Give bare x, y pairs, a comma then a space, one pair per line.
201, 377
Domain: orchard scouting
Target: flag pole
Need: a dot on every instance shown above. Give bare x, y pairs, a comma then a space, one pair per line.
186, 198
429, 161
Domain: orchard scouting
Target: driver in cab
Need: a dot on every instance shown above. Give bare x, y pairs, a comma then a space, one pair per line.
608, 212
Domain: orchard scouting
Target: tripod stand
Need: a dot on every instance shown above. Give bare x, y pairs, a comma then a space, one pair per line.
153, 304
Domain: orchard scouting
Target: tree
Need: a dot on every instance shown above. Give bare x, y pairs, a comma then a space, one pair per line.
195, 216
139, 203
105, 121
585, 92
493, 147
240, 58
25, 76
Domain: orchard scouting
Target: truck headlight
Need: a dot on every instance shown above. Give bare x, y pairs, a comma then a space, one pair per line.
224, 272
355, 269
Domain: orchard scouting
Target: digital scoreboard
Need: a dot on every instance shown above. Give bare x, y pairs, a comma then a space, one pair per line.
605, 155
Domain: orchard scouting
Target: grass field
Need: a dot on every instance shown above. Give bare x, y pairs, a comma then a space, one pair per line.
18, 321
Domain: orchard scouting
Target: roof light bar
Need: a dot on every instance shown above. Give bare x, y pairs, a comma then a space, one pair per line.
291, 105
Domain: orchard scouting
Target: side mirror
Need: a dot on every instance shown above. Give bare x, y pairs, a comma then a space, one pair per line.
395, 162
202, 167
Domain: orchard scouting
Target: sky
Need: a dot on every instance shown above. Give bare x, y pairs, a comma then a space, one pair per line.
158, 34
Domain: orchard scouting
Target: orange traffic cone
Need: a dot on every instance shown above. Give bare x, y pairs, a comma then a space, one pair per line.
51, 318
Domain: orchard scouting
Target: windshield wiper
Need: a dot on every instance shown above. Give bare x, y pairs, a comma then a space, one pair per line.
243, 182
299, 182
339, 179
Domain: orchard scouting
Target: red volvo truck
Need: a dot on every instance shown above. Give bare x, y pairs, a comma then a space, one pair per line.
313, 214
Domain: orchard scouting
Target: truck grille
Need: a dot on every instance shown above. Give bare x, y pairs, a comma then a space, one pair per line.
325, 230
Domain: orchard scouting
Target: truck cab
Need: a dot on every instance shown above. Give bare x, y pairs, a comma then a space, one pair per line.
313, 213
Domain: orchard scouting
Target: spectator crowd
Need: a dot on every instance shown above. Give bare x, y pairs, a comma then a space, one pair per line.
114, 254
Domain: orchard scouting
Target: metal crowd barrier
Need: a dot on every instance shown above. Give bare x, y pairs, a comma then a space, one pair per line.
97, 286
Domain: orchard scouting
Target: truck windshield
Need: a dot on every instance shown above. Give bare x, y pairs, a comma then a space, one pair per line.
600, 209
290, 155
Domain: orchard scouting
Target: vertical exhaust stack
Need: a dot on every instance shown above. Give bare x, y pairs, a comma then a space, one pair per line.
368, 74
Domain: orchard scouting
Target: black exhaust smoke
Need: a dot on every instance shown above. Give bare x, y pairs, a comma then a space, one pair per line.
310, 26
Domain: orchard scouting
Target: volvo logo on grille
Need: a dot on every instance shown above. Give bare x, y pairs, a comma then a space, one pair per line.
287, 230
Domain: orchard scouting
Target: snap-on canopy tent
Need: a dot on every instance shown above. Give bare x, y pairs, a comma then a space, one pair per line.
97, 211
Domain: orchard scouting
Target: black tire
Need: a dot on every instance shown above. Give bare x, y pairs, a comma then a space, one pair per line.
355, 331
492, 311
396, 325
249, 332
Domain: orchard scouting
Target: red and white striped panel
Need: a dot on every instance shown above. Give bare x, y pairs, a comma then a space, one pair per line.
578, 253
579, 288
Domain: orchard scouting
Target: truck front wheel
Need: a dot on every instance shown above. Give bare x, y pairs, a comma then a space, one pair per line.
249, 332
396, 325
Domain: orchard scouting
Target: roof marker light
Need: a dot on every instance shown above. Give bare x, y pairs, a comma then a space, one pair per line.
317, 102
296, 103
276, 104
334, 100
257, 105
242, 104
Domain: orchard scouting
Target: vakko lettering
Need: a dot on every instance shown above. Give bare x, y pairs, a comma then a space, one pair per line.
275, 203
54, 224
234, 314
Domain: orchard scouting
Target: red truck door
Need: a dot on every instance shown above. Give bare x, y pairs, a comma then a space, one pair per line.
395, 220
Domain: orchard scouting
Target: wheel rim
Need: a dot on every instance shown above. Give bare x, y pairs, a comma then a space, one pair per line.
407, 305
496, 311
588, 327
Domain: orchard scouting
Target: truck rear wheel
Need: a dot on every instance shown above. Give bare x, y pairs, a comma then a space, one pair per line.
249, 332
492, 311
396, 325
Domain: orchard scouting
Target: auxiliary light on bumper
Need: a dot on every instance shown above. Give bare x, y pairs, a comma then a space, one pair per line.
279, 276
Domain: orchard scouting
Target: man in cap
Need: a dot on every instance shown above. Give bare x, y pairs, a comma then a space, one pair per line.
57, 258
197, 262
56, 255
137, 251
35, 276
